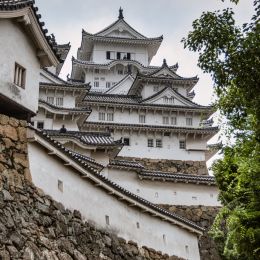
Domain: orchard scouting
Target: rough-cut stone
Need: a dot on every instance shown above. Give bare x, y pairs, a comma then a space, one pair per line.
172, 166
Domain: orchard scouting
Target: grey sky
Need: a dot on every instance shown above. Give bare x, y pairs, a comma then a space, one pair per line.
172, 18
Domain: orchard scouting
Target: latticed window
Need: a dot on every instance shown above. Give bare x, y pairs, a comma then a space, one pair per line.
150, 142
166, 120
110, 117
59, 101
174, 120
159, 143
182, 144
19, 75
108, 84
101, 116
50, 100
142, 119
189, 121
96, 84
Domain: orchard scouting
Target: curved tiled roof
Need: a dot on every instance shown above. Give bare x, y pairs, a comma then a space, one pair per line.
176, 219
176, 177
87, 138
125, 164
12, 5
70, 86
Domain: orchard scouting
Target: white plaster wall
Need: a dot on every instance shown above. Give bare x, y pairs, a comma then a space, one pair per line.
171, 193
68, 98
95, 204
127, 117
100, 49
15, 46
170, 150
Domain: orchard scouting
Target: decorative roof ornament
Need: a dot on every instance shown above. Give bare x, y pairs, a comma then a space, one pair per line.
120, 16
165, 63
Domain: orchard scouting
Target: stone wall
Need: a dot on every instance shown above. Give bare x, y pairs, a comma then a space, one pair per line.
203, 216
187, 167
34, 226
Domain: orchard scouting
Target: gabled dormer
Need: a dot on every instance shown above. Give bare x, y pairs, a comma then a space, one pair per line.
169, 96
123, 86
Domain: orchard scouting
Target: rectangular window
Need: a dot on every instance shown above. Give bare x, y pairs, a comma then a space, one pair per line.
137, 225
50, 100
108, 55
126, 141
110, 117
150, 142
60, 185
97, 71
118, 56
120, 72
107, 220
40, 125
174, 120
189, 121
108, 84
102, 79
19, 75
96, 84
159, 143
101, 116
142, 119
165, 120
182, 144
59, 101
128, 56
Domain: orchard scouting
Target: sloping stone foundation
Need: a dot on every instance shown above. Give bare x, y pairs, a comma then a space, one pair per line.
35, 227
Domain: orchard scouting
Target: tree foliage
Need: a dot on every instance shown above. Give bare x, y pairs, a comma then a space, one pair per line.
231, 54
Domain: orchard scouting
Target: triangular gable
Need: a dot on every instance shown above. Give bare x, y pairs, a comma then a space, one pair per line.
120, 28
49, 77
122, 87
168, 96
165, 72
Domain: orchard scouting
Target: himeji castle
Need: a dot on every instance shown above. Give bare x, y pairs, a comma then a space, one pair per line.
137, 132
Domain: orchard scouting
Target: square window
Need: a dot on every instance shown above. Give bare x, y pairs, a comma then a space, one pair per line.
142, 119
182, 144
40, 125
150, 142
101, 116
189, 121
19, 75
50, 100
126, 141
159, 143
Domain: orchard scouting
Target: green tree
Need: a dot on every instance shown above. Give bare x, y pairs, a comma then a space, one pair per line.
231, 54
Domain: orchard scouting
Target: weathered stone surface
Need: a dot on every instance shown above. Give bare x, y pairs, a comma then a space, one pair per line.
35, 227
172, 166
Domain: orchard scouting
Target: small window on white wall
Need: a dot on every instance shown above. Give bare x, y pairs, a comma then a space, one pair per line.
59, 101
40, 124
107, 220
150, 142
165, 120
97, 71
141, 118
60, 185
19, 75
164, 238
189, 121
182, 144
50, 100
126, 141
101, 116
96, 84
108, 84
138, 225
110, 116
174, 120
159, 143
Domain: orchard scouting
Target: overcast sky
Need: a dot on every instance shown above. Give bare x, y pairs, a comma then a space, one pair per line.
170, 18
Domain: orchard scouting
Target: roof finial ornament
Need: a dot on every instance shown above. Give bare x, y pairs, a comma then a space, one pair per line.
164, 62
120, 16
